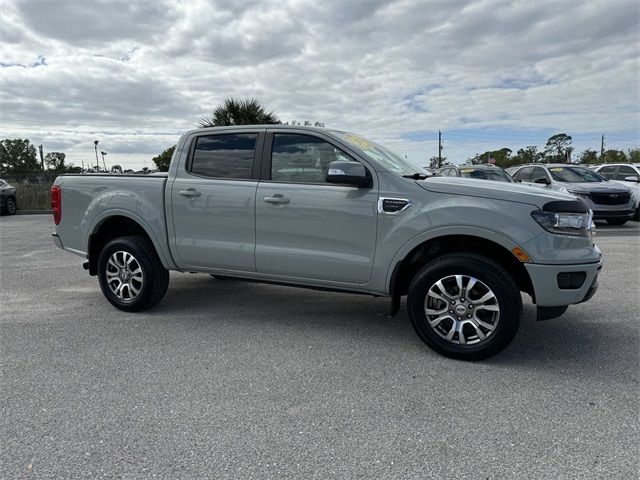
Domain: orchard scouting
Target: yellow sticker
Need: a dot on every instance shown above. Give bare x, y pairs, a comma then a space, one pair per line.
467, 170
556, 169
359, 141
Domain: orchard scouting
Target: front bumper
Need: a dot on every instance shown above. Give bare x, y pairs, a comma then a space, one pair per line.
547, 293
606, 214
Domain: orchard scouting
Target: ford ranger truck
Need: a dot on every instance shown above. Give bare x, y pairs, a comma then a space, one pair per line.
327, 209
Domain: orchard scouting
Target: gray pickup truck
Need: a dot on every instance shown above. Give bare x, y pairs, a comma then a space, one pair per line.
332, 210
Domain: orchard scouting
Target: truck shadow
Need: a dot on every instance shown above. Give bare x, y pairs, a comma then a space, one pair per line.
572, 343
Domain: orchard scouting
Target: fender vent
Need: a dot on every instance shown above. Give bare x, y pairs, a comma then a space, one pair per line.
393, 205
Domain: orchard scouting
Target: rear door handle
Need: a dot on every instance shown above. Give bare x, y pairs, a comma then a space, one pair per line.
277, 199
190, 192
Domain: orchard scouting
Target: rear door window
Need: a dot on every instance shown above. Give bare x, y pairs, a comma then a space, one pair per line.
224, 155
524, 174
608, 171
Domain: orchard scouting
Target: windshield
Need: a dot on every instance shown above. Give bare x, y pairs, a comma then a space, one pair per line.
486, 174
575, 175
385, 157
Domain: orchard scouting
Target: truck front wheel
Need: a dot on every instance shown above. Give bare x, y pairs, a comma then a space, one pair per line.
464, 306
131, 275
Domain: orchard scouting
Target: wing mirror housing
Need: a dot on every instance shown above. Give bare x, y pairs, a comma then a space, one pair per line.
543, 181
348, 173
632, 178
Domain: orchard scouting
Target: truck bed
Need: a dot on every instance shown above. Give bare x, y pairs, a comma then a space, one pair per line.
88, 198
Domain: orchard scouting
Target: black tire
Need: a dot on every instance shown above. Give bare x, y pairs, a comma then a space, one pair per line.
155, 277
617, 221
487, 272
10, 206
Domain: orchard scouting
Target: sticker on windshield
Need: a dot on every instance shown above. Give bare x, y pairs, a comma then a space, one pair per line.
359, 141
555, 169
467, 170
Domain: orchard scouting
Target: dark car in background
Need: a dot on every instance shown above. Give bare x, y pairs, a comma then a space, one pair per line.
8, 202
608, 200
481, 172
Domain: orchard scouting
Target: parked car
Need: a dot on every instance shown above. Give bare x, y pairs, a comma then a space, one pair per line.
8, 201
627, 174
481, 172
326, 209
608, 200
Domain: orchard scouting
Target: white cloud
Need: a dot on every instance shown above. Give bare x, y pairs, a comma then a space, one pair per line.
136, 74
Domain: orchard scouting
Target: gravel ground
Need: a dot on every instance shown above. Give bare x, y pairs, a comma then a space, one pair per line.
226, 379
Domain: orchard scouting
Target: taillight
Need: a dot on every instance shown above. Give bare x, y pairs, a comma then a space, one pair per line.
56, 203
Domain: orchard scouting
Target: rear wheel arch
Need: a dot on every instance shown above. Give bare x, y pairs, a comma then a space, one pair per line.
411, 263
114, 226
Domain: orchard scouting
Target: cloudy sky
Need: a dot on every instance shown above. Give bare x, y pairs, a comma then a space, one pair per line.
489, 74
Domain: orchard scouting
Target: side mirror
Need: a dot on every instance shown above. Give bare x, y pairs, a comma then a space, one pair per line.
348, 173
543, 181
632, 178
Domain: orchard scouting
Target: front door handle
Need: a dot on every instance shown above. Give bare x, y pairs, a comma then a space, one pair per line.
277, 199
190, 192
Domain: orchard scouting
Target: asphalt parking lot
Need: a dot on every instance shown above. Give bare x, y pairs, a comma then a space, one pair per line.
225, 379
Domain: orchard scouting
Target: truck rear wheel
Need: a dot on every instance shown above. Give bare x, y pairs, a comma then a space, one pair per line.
131, 275
464, 306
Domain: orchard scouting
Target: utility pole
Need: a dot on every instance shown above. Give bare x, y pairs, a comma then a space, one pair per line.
95, 144
439, 149
602, 148
41, 157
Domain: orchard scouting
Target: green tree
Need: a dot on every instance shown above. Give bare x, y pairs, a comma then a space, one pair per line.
529, 154
18, 156
433, 162
163, 160
614, 156
633, 155
501, 158
238, 112
588, 156
558, 148
55, 161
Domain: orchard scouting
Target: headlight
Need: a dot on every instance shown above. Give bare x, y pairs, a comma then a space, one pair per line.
576, 224
579, 194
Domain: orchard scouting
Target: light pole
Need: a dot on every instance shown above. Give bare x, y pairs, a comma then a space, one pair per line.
103, 163
95, 144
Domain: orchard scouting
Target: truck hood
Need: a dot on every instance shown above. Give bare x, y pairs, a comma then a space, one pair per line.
513, 192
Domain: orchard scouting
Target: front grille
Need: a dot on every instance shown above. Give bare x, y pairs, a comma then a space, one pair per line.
610, 198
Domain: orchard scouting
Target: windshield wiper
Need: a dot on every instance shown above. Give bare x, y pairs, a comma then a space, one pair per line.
416, 176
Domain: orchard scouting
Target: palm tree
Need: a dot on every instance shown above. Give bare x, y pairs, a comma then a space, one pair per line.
238, 112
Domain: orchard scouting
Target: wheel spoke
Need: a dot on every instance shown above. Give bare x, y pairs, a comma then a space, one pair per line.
436, 321
443, 290
430, 311
484, 324
491, 308
459, 284
478, 330
486, 297
112, 263
451, 332
472, 283
461, 339
438, 296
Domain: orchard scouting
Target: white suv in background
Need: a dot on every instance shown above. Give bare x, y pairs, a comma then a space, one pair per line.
626, 173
